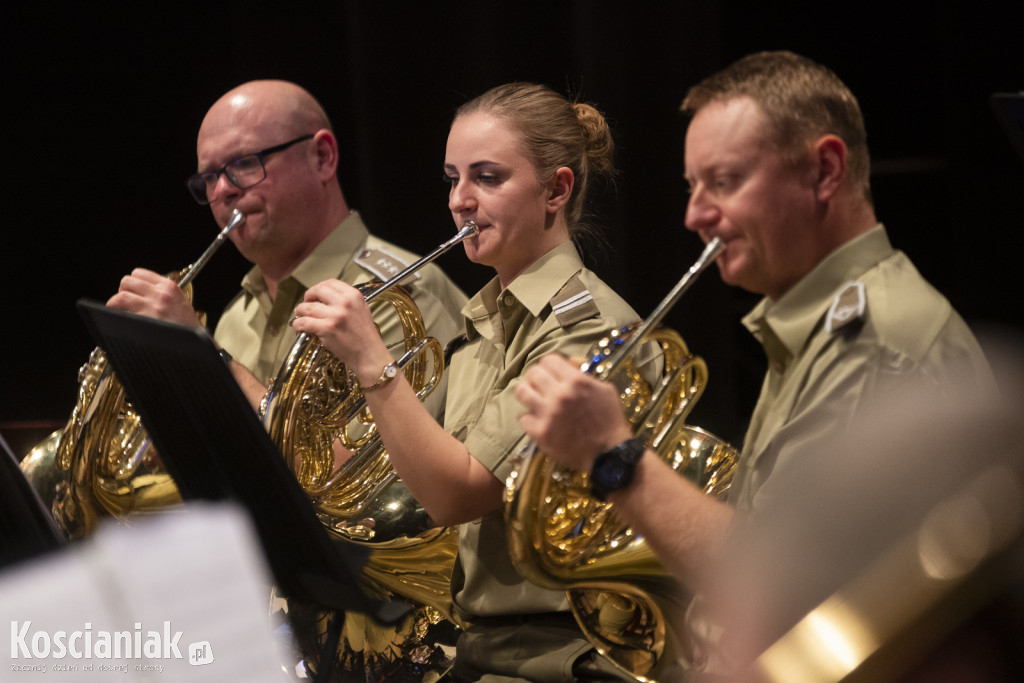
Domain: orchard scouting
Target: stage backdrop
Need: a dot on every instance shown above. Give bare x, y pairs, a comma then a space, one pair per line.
103, 101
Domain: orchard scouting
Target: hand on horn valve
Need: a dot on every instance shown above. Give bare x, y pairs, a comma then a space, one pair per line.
571, 416
337, 313
150, 294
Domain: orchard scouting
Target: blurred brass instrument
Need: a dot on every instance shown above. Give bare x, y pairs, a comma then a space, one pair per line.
316, 403
102, 462
561, 537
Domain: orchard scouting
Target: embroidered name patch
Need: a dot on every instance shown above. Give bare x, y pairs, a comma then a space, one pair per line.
382, 264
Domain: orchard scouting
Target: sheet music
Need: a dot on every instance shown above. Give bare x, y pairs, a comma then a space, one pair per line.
177, 597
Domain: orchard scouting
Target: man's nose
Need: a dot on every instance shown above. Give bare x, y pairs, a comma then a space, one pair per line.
222, 189
700, 211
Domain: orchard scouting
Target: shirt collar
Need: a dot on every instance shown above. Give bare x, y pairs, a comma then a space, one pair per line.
794, 317
348, 238
534, 287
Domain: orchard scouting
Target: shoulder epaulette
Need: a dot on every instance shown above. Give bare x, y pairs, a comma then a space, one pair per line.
848, 307
383, 265
573, 303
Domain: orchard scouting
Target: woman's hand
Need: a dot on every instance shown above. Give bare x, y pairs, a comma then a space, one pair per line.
338, 315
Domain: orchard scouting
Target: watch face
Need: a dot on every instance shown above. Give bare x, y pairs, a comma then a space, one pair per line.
613, 469
611, 474
390, 371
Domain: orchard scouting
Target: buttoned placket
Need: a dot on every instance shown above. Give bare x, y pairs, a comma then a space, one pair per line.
277, 321
779, 360
512, 312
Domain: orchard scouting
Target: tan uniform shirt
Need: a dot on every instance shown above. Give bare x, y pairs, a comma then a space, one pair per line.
861, 323
255, 330
833, 345
555, 306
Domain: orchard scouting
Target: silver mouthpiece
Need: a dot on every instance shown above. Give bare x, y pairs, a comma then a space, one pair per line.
236, 219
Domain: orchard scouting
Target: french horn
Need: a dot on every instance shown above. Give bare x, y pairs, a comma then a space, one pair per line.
101, 463
561, 537
316, 403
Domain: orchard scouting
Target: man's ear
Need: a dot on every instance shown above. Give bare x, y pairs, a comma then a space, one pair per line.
326, 147
560, 189
830, 156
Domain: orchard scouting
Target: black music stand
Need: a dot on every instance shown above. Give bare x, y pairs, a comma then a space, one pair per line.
214, 447
26, 527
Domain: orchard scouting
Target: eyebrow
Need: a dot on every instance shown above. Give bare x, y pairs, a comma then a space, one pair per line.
231, 158
474, 165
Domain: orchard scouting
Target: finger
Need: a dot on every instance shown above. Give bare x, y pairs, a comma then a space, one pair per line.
315, 293
528, 423
148, 276
130, 283
128, 301
117, 300
303, 325
527, 395
311, 324
559, 367
329, 290
577, 361
315, 302
552, 369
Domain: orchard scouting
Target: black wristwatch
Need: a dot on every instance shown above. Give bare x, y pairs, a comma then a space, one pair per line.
613, 469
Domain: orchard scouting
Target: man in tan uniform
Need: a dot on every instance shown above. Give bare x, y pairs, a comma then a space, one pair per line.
778, 167
266, 148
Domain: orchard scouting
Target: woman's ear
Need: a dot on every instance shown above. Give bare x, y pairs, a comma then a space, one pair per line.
560, 189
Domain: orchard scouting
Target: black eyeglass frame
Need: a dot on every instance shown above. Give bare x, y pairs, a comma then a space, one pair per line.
193, 186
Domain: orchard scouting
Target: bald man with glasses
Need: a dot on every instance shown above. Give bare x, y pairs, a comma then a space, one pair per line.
266, 148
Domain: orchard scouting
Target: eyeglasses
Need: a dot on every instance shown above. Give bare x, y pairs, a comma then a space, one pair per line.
243, 172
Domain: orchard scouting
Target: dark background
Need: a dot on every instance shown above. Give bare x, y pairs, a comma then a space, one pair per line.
102, 102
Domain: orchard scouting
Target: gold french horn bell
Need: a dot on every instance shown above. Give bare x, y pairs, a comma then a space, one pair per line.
561, 537
101, 463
